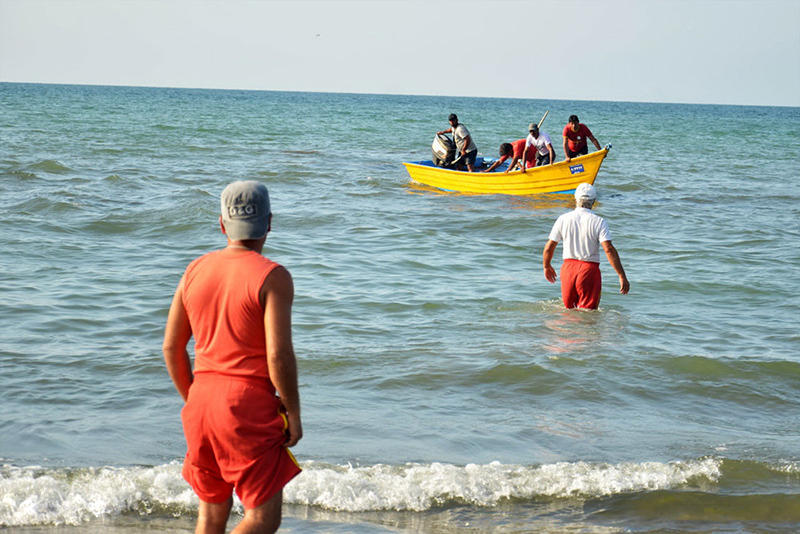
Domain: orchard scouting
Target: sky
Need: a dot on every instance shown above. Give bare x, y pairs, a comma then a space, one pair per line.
683, 51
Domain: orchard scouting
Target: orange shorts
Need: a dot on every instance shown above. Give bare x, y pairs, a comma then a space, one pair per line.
581, 284
235, 432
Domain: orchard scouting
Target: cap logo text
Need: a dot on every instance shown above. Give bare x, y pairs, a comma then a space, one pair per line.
248, 210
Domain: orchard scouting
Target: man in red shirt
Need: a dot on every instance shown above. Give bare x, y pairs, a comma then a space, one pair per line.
515, 149
575, 136
242, 406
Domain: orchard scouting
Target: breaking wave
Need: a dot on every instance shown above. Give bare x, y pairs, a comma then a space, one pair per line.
48, 496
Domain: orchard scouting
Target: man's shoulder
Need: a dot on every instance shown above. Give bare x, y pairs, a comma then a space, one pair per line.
278, 280
259, 261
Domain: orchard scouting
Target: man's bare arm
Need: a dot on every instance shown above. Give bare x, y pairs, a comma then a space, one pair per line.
176, 337
616, 263
278, 295
525, 159
547, 257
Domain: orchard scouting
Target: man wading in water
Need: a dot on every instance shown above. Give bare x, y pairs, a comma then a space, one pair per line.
583, 233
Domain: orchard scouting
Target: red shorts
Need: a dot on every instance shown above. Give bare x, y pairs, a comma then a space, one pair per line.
235, 432
581, 284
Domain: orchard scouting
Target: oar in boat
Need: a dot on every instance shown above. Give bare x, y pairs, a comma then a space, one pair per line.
543, 118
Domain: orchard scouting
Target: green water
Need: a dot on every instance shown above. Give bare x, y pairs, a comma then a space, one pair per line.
444, 387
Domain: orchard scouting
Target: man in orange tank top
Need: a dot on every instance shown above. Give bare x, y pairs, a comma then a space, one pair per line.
242, 405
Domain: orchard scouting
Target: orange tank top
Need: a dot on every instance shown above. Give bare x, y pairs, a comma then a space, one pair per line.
220, 295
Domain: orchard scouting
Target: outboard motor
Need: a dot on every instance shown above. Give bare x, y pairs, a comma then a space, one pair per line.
444, 151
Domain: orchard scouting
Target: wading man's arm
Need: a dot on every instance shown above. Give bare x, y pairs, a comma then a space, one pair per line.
547, 257
616, 263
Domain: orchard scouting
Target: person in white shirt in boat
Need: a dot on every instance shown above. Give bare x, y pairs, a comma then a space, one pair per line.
465, 146
540, 142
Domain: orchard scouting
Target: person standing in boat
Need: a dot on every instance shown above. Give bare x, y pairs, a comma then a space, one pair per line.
465, 146
575, 135
583, 233
515, 149
539, 143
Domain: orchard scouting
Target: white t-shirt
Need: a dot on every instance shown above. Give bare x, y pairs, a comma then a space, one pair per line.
460, 133
582, 232
540, 142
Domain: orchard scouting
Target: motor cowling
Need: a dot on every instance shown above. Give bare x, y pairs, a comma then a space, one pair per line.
444, 151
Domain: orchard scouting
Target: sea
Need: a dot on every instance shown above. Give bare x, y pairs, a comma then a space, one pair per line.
444, 387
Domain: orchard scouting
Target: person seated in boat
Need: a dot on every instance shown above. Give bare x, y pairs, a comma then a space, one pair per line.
575, 136
539, 144
465, 147
515, 149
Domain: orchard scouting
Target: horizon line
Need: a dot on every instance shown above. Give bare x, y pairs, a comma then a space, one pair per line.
385, 94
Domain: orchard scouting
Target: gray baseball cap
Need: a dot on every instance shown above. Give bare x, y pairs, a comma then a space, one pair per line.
533, 126
245, 210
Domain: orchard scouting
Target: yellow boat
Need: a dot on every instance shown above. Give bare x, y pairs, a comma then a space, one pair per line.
560, 177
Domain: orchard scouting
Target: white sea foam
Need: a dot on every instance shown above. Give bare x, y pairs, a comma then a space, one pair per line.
790, 468
36, 496
420, 487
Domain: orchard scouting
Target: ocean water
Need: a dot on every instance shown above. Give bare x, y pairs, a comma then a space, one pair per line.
444, 387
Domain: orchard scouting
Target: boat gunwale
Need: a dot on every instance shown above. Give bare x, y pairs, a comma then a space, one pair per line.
593, 155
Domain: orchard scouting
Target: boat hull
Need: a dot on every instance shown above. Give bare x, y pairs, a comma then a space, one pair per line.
560, 177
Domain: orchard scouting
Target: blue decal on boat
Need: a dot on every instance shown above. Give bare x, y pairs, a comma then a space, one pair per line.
576, 169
